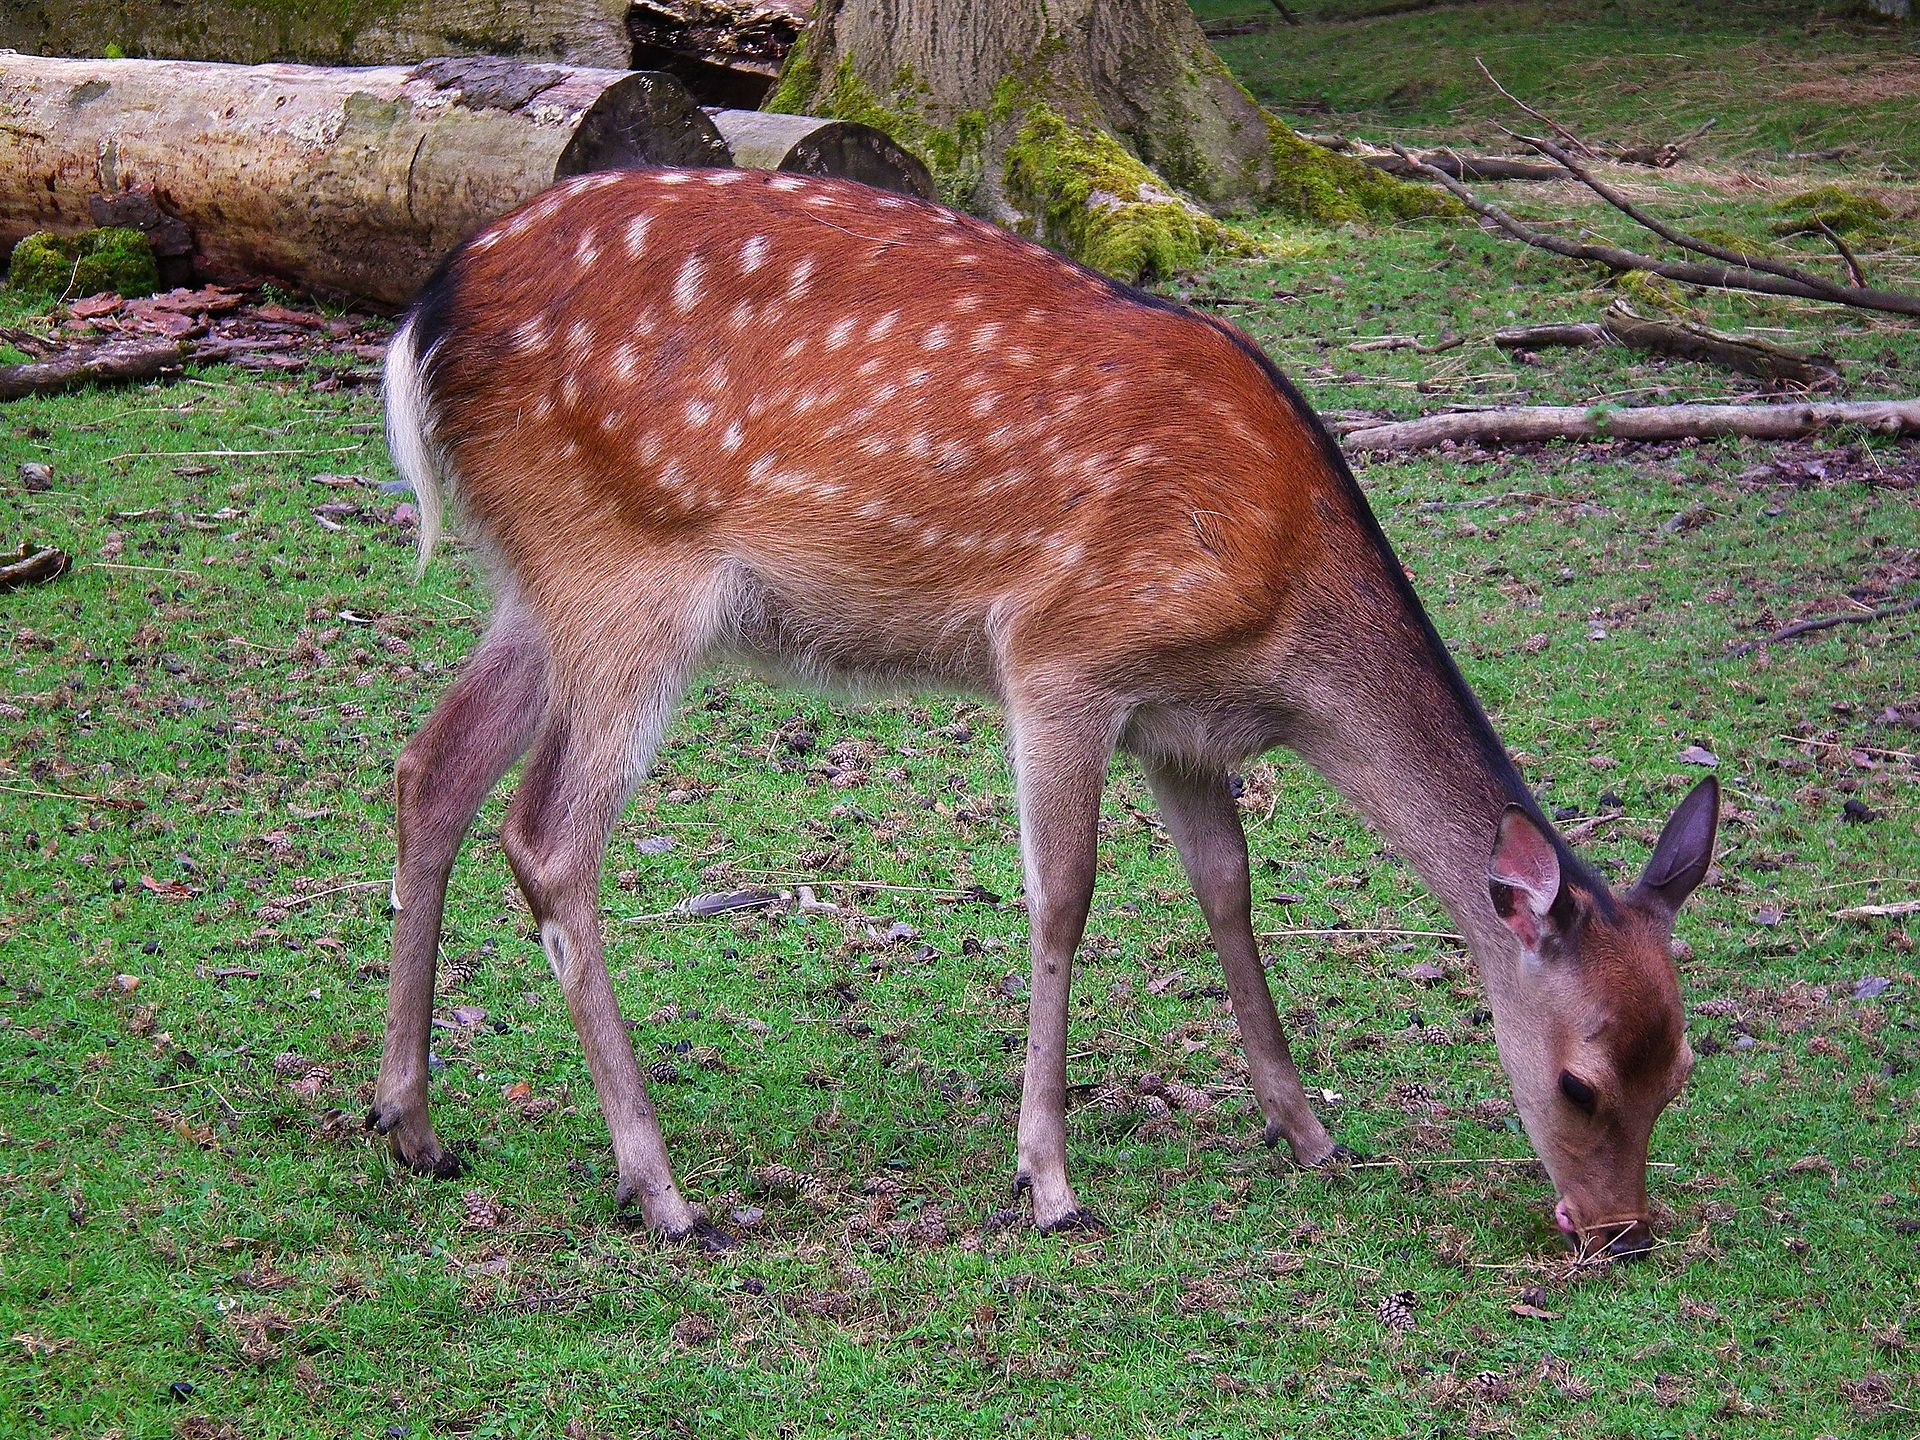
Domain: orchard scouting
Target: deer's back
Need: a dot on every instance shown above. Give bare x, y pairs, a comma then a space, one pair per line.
906, 428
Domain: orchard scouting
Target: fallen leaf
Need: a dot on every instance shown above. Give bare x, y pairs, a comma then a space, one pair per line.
1698, 755
1532, 1312
1871, 987
1425, 973
167, 889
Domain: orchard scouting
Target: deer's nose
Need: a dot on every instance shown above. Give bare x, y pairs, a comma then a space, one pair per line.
1630, 1244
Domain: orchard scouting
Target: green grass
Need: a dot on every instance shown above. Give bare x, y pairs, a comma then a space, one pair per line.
212, 698
1777, 76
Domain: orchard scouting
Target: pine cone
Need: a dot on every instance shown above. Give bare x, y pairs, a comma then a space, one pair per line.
1491, 1385
1436, 1035
1396, 1311
1186, 1097
663, 1072
480, 1211
785, 1180
289, 1062
1154, 1108
1414, 1099
931, 1227
312, 1081
457, 970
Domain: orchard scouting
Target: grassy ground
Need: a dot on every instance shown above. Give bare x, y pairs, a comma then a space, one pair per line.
1776, 76
199, 721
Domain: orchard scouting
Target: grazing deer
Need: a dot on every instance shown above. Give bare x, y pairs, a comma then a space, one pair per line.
854, 439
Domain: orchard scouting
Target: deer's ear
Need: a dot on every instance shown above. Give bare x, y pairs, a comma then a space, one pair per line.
1523, 878
1684, 851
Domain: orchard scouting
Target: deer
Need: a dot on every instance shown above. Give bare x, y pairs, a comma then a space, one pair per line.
855, 440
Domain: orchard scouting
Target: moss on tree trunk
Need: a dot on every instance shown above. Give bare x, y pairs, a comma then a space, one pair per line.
1107, 128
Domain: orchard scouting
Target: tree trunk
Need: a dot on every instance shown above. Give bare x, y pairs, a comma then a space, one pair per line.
1107, 127
323, 32
351, 182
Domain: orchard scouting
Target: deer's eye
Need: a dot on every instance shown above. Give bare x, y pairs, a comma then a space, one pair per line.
1579, 1094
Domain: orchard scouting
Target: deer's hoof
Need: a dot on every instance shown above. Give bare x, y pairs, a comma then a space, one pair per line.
704, 1235
423, 1156
1337, 1158
1077, 1221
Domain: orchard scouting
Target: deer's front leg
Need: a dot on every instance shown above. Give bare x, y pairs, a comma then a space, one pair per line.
1198, 808
1059, 768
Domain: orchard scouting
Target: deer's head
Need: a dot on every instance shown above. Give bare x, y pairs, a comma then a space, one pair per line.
1592, 1035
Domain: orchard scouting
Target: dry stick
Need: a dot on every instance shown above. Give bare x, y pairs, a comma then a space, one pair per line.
1422, 934
1722, 277
1523, 423
1673, 235
1826, 622
1854, 272
1558, 129
1625, 326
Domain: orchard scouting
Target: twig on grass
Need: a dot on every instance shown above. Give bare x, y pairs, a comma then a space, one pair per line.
1404, 934
1854, 271
1826, 622
1526, 423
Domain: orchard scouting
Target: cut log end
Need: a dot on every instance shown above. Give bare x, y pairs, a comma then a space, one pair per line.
644, 119
809, 145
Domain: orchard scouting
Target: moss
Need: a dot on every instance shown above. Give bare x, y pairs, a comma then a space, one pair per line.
1106, 209
1652, 292
68, 266
1838, 209
799, 80
1314, 183
1730, 240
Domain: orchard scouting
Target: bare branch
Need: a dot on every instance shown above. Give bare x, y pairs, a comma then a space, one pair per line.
1557, 128
1714, 277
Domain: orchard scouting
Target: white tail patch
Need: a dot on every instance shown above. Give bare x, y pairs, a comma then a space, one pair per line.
410, 437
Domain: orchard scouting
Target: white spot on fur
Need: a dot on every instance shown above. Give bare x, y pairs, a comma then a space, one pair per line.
626, 360
935, 338
838, 336
794, 347
967, 303
635, 238
673, 177
699, 412
762, 467
786, 182
533, 334
736, 436
881, 326
580, 340
724, 177
753, 254
801, 277
588, 250
686, 288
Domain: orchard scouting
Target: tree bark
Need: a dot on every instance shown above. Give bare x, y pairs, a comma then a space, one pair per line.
347, 182
809, 145
1626, 327
1106, 127
116, 362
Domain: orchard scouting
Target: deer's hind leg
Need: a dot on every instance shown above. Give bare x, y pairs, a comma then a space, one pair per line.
616, 675
479, 728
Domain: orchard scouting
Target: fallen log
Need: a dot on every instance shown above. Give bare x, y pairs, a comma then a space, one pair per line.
1682, 341
1530, 423
1465, 167
339, 32
116, 362
345, 182
812, 146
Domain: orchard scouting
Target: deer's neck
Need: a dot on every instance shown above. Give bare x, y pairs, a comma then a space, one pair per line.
1398, 732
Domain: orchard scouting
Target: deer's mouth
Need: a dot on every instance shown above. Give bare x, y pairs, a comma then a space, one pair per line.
1626, 1238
